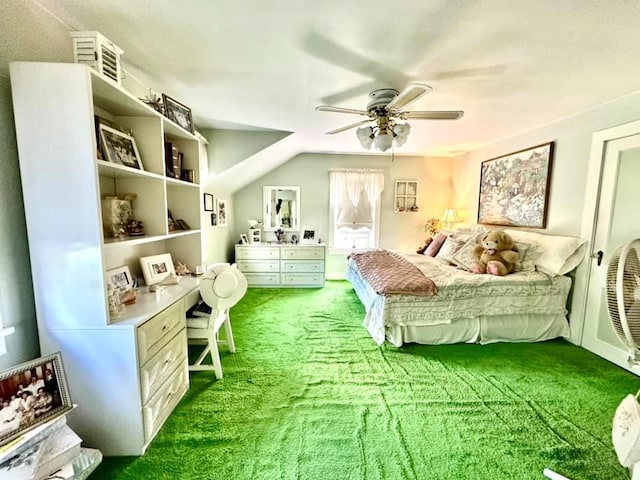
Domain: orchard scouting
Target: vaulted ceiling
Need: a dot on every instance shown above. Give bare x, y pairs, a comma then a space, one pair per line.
511, 66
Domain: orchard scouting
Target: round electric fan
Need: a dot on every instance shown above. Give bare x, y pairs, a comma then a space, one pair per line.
623, 296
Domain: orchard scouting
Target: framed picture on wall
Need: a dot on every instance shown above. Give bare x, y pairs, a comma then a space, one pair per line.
514, 188
208, 202
221, 211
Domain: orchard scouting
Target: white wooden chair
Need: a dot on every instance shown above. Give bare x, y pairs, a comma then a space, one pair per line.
221, 288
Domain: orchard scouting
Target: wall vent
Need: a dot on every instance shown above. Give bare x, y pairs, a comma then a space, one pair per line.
100, 53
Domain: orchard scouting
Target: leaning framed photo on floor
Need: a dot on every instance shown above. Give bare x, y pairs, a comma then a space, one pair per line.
33, 393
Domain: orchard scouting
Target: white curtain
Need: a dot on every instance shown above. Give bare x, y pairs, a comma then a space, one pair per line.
354, 194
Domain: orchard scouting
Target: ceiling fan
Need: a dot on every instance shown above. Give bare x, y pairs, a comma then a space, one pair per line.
385, 107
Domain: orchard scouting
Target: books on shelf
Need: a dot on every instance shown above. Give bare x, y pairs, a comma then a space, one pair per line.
36, 462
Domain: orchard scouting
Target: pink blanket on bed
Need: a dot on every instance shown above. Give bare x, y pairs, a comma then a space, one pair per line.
388, 273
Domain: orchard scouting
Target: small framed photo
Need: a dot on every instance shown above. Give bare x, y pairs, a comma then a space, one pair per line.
178, 113
120, 278
33, 393
221, 206
156, 268
244, 240
181, 224
254, 235
214, 219
119, 148
308, 236
208, 202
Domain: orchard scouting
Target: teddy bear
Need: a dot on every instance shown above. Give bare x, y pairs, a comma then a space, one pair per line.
495, 254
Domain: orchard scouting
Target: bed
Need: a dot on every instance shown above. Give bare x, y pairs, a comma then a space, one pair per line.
526, 306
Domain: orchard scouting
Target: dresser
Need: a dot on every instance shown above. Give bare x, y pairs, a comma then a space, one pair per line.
282, 265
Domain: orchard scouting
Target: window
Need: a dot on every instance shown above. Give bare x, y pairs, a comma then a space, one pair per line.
355, 208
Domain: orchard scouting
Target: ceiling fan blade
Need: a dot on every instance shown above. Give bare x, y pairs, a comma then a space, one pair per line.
329, 108
353, 125
408, 95
436, 115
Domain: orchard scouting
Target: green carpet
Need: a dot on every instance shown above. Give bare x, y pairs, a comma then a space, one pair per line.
308, 395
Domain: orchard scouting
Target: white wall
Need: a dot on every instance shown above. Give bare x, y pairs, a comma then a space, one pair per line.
31, 35
569, 175
310, 171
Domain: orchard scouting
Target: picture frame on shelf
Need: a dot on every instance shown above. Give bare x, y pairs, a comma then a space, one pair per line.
244, 240
514, 188
308, 236
178, 113
156, 268
181, 224
119, 148
208, 202
120, 278
46, 376
221, 212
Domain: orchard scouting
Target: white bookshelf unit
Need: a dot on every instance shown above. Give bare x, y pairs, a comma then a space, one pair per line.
127, 373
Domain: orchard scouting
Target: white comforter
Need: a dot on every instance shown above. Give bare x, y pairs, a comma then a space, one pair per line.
460, 295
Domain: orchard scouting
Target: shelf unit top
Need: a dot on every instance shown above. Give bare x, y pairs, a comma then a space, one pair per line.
109, 96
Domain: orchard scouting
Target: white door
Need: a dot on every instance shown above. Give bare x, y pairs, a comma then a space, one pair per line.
617, 220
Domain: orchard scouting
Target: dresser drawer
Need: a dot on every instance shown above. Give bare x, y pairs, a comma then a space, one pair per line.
302, 280
258, 266
156, 371
155, 332
302, 266
302, 253
257, 253
164, 401
263, 279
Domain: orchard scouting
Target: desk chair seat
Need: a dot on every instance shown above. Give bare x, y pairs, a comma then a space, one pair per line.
221, 289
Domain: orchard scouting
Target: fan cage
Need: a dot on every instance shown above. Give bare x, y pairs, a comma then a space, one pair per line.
623, 296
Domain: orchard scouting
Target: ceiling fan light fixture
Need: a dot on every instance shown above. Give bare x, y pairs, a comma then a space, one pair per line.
383, 141
365, 135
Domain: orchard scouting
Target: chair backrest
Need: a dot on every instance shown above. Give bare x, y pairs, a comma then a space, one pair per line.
222, 287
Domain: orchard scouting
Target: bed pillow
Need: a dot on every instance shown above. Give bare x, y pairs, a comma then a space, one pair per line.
448, 249
557, 254
528, 253
435, 245
465, 255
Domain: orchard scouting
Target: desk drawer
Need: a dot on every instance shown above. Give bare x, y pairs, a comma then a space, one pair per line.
258, 266
162, 364
257, 253
302, 253
157, 331
302, 266
164, 401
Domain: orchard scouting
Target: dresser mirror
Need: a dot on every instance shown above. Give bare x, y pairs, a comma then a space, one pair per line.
281, 208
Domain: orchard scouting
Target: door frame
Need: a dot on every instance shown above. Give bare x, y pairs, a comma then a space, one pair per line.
591, 203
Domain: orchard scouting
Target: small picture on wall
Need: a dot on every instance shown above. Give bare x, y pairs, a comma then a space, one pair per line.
221, 206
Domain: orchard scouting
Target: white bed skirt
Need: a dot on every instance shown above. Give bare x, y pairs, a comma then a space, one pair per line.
484, 330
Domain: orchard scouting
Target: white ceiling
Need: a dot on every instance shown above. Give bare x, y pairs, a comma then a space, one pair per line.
511, 66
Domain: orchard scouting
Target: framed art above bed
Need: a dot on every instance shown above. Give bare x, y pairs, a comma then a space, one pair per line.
514, 188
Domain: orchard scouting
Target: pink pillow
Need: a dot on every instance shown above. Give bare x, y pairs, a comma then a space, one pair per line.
434, 247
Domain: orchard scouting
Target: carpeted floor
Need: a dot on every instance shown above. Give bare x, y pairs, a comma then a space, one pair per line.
308, 395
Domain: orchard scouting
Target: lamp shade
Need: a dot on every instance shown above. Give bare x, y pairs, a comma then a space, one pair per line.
449, 216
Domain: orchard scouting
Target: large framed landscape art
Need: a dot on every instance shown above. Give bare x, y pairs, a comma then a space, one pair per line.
514, 188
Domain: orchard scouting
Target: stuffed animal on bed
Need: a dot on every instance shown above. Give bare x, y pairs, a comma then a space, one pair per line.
495, 254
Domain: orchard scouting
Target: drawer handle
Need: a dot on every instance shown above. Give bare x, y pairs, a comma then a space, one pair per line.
165, 327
